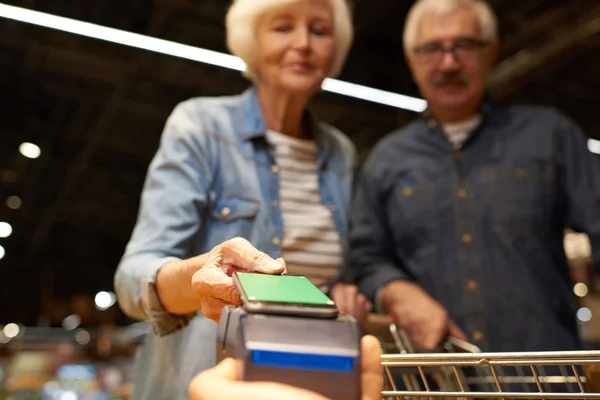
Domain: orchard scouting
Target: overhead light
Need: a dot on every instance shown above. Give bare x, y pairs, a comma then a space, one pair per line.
195, 54
594, 146
105, 300
580, 289
71, 322
68, 395
5, 230
83, 337
30, 150
374, 95
2, 252
14, 202
3, 338
584, 314
11, 330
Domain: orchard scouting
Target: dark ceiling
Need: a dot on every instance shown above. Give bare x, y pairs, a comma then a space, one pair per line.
97, 109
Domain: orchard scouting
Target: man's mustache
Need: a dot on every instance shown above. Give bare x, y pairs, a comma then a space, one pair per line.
456, 78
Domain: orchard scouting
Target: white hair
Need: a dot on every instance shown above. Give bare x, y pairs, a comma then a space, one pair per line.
487, 19
241, 23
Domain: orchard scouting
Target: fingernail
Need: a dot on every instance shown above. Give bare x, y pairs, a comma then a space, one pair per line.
277, 265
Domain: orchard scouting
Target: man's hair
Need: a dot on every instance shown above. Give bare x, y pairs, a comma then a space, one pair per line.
241, 27
487, 19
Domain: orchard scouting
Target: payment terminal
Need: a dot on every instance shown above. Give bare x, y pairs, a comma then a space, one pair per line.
288, 331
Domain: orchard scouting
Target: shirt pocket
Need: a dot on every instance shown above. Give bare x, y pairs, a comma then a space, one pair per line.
521, 199
412, 219
233, 217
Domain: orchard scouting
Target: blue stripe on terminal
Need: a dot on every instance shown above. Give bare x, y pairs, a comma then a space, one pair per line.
315, 362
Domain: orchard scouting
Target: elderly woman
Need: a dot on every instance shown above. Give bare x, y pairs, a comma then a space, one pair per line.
241, 182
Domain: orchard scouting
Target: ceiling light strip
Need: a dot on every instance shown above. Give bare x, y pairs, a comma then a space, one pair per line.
195, 54
594, 146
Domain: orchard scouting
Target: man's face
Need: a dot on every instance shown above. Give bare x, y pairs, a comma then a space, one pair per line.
451, 80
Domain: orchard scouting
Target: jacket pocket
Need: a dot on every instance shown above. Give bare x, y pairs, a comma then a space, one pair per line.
412, 218
521, 199
233, 217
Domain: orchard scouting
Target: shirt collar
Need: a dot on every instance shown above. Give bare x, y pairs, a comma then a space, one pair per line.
486, 109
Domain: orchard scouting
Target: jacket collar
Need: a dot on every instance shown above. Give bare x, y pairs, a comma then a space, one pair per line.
253, 124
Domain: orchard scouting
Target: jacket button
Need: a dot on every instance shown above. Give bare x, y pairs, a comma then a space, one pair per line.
466, 238
276, 241
225, 211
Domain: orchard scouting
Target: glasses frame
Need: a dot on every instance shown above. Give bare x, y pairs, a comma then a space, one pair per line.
433, 52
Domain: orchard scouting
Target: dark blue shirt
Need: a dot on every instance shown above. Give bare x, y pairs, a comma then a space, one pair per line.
481, 228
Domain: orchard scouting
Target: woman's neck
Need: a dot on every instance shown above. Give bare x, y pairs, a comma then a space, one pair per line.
282, 112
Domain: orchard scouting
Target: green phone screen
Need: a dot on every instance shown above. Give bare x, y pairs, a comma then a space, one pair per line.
281, 289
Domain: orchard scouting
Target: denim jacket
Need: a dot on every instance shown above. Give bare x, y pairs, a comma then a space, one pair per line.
481, 228
212, 179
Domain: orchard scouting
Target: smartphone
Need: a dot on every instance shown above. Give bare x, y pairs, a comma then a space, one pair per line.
283, 295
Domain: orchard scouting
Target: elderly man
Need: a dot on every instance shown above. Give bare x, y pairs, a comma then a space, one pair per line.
458, 218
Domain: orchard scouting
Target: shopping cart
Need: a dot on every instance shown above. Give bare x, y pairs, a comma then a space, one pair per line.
462, 371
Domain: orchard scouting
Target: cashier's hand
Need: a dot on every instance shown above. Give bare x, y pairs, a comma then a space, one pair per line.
350, 301
213, 283
223, 381
425, 320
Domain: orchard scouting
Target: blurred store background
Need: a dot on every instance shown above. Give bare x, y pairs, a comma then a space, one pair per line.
81, 119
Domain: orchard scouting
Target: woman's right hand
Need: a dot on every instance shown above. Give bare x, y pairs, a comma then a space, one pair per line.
204, 282
213, 282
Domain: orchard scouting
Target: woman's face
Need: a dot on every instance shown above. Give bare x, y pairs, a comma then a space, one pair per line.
295, 46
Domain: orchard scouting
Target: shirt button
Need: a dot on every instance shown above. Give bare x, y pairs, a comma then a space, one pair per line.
477, 336
462, 193
431, 123
276, 241
466, 238
275, 169
225, 211
521, 172
472, 285
407, 192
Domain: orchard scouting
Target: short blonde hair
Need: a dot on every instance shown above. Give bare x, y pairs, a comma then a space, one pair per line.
241, 22
487, 19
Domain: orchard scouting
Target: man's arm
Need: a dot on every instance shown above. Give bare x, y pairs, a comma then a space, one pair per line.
371, 261
579, 174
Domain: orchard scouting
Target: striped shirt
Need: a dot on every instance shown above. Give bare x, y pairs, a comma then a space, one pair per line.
311, 243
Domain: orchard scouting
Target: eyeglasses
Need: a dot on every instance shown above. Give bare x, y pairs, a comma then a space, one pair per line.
463, 50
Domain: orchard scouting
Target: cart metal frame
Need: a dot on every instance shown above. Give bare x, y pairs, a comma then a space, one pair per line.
462, 371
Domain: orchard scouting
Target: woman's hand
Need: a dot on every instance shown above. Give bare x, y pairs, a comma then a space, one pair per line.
213, 283
204, 282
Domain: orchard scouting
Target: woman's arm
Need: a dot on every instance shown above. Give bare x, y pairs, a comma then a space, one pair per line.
174, 195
